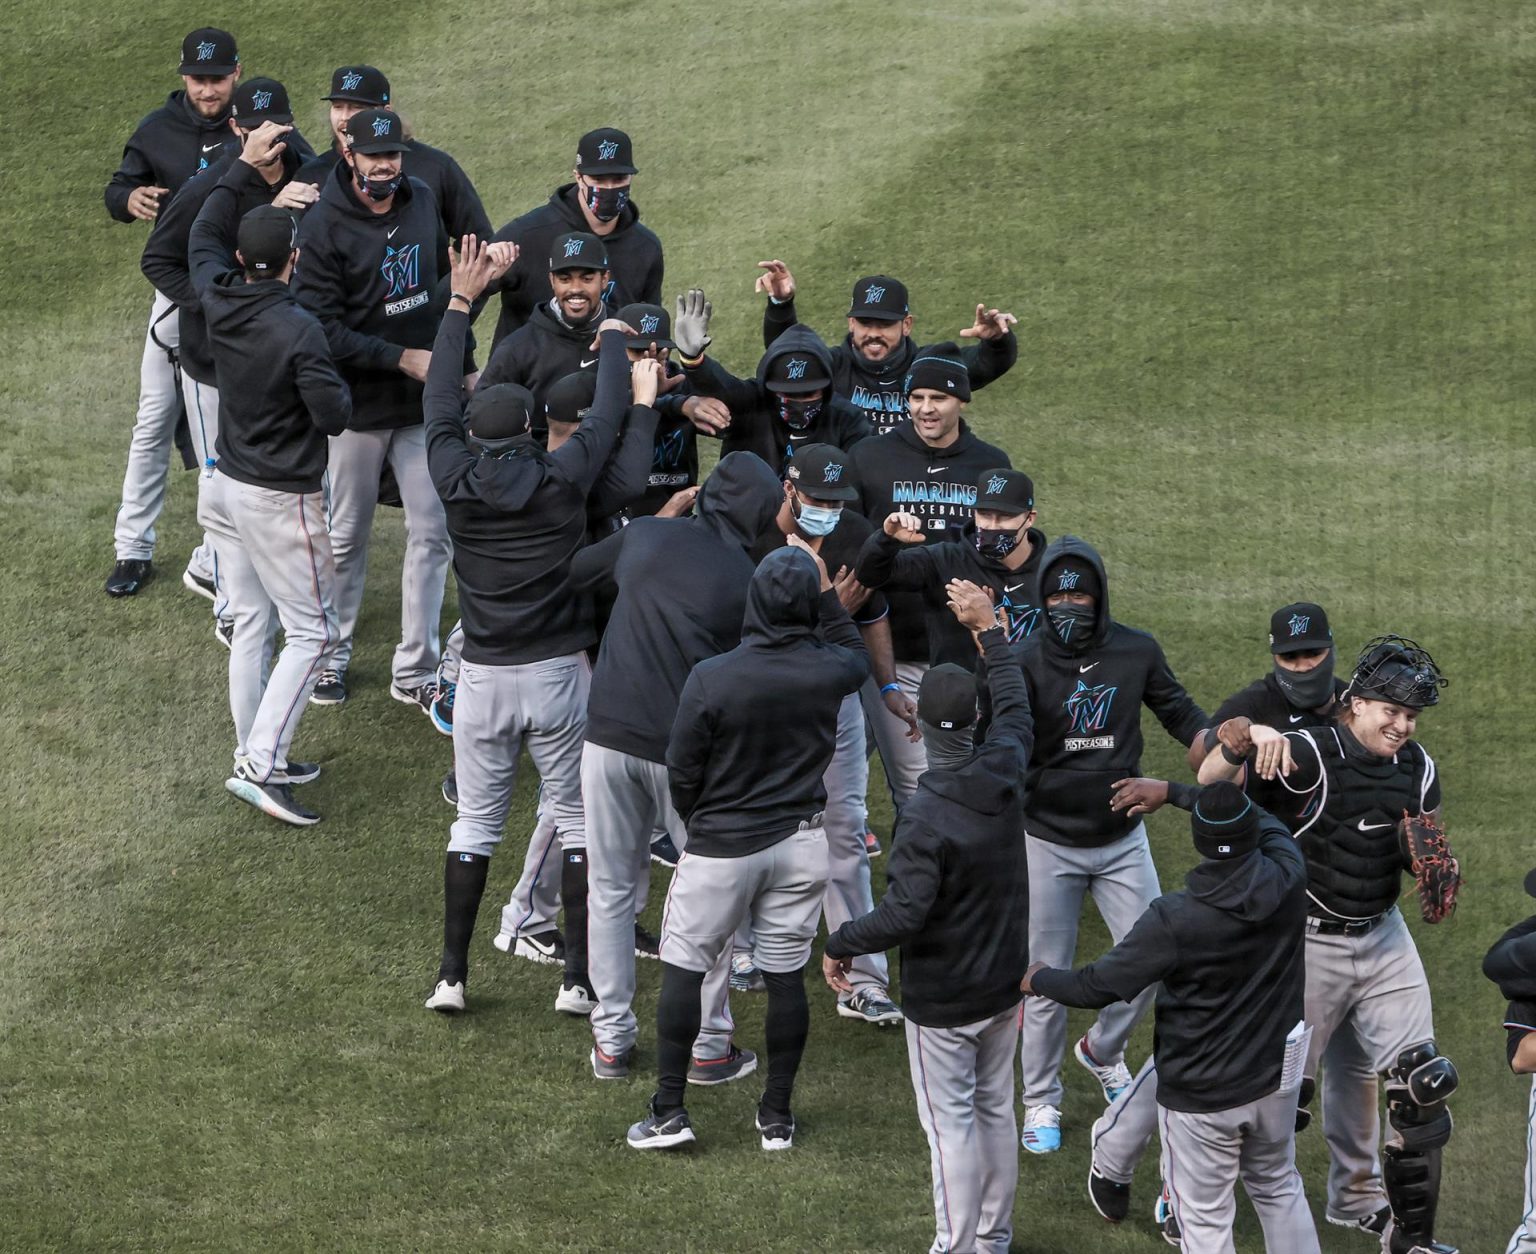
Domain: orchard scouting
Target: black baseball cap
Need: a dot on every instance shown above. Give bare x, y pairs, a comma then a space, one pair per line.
1299, 627
209, 51
499, 412
947, 696
651, 323
569, 398
1224, 822
266, 238
363, 84
605, 151
375, 131
879, 298
822, 472
1005, 491
258, 100
576, 250
794, 373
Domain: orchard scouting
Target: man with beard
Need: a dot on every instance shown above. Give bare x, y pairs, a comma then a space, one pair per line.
869, 365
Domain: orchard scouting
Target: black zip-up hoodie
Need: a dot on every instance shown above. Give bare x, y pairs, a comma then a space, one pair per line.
682, 591
516, 521
1228, 949
756, 727
167, 148
543, 351
957, 888
280, 392
755, 423
877, 389
1087, 699
373, 280
900, 472
924, 569
1511, 964
458, 202
165, 263
635, 262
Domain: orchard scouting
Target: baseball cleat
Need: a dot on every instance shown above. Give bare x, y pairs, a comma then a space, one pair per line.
1042, 1129
872, 845
574, 999
745, 977
664, 851
297, 773
441, 708
711, 1071
447, 998
330, 688
451, 788
871, 1005
777, 1131
420, 696
1375, 1224
272, 798
196, 583
1167, 1222
224, 632
1113, 1079
654, 1132
646, 945
128, 576
1109, 1197
545, 948
611, 1066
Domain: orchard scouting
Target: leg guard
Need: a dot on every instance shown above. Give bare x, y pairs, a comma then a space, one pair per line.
1417, 1086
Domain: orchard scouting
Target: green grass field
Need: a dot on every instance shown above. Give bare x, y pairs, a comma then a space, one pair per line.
1274, 275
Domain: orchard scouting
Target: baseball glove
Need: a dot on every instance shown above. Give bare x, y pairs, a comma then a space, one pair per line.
1435, 871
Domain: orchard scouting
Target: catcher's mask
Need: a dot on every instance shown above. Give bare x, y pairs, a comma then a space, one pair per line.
1392, 668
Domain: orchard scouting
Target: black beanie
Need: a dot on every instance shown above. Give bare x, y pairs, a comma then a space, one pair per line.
940, 369
1224, 823
499, 412
1073, 574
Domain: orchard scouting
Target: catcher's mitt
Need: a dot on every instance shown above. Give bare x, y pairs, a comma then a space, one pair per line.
1437, 875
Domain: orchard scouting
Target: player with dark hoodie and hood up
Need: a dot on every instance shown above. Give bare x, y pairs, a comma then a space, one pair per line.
786, 404
1088, 678
871, 363
957, 902
755, 730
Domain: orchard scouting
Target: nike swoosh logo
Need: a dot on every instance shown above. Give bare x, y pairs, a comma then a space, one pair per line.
1296, 718
392, 231
1014, 587
585, 364
1083, 670
211, 147
934, 470
1363, 826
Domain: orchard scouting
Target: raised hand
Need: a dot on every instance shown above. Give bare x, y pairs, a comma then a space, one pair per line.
776, 280
908, 528
690, 322
990, 324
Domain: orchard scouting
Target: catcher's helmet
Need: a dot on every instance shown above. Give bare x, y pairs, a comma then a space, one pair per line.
1391, 668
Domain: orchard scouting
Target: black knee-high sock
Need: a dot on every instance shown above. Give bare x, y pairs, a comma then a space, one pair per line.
677, 1025
573, 896
463, 885
787, 1026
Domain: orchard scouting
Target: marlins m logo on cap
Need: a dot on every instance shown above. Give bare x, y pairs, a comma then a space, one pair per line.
1066, 581
833, 472
351, 81
649, 323
261, 99
205, 51
607, 150
380, 127
996, 484
1299, 623
796, 368
573, 248
873, 293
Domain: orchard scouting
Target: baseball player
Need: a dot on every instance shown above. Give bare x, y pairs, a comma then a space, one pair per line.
868, 367
164, 262
957, 878
283, 397
597, 202
170, 145
1088, 677
517, 515
1358, 789
749, 791
1225, 953
374, 248
1511, 964
927, 467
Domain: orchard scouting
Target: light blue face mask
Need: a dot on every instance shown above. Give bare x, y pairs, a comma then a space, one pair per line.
815, 521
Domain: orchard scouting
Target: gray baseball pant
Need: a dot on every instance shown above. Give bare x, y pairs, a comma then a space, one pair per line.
848, 890
963, 1081
497, 710
453, 654
534, 905
1524, 1239
903, 760
276, 557
202, 402
1372, 986
1122, 1133
626, 797
356, 461
1123, 881
151, 445
1204, 1155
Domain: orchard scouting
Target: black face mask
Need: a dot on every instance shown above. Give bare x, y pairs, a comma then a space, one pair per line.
1307, 690
995, 544
379, 189
606, 203
798, 415
1072, 620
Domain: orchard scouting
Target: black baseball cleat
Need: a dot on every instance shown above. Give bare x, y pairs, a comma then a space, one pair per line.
330, 689
451, 788
441, 709
656, 1132
128, 576
664, 851
270, 798
420, 696
611, 1066
710, 1071
777, 1130
646, 945
1167, 1222
1375, 1224
224, 632
1109, 1197
196, 583
297, 773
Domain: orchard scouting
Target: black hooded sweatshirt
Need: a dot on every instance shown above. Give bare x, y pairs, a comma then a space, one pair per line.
682, 590
924, 569
165, 263
877, 389
957, 887
634, 259
280, 392
457, 200
755, 423
167, 148
543, 351
1511, 964
373, 281
1228, 949
1087, 699
900, 472
516, 521
756, 727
